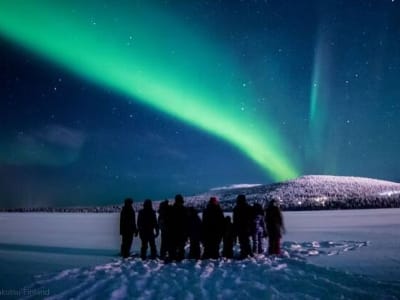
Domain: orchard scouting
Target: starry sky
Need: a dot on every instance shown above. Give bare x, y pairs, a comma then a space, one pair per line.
100, 101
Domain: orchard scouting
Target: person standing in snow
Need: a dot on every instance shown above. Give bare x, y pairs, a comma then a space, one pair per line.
228, 238
258, 229
179, 228
148, 229
275, 227
194, 232
242, 217
127, 227
213, 228
164, 223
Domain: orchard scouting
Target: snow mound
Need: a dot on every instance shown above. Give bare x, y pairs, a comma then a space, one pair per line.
260, 277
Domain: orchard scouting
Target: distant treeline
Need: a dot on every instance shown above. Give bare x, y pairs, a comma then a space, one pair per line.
301, 204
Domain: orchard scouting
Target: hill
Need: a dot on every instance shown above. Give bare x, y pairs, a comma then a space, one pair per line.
311, 192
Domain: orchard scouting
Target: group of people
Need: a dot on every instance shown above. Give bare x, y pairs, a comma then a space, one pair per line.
178, 225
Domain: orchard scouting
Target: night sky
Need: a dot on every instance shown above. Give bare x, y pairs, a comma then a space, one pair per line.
101, 101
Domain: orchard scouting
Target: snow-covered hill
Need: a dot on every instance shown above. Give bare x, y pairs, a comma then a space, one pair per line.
311, 192
303, 193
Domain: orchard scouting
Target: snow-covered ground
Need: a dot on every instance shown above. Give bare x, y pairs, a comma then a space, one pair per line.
328, 255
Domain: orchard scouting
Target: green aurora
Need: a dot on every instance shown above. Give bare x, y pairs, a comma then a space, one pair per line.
144, 52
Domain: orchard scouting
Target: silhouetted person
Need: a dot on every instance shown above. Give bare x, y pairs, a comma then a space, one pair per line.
213, 228
228, 238
242, 217
179, 230
275, 227
148, 229
194, 232
258, 228
127, 227
164, 223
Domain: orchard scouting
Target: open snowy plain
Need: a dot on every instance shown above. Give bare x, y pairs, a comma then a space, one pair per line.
352, 254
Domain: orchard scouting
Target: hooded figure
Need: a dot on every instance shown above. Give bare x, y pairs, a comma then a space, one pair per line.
228, 238
213, 228
164, 223
242, 221
194, 232
179, 229
127, 227
275, 227
148, 229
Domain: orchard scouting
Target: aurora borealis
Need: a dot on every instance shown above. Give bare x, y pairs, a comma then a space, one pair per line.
151, 98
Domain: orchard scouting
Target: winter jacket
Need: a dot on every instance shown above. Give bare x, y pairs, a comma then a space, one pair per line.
147, 223
127, 223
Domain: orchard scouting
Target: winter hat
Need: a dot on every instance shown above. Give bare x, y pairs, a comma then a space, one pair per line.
147, 204
241, 199
128, 201
214, 200
179, 199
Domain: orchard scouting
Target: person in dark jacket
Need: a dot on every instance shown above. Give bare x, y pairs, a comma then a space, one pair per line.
258, 228
179, 229
228, 238
213, 228
127, 227
164, 223
242, 217
148, 229
275, 227
194, 232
